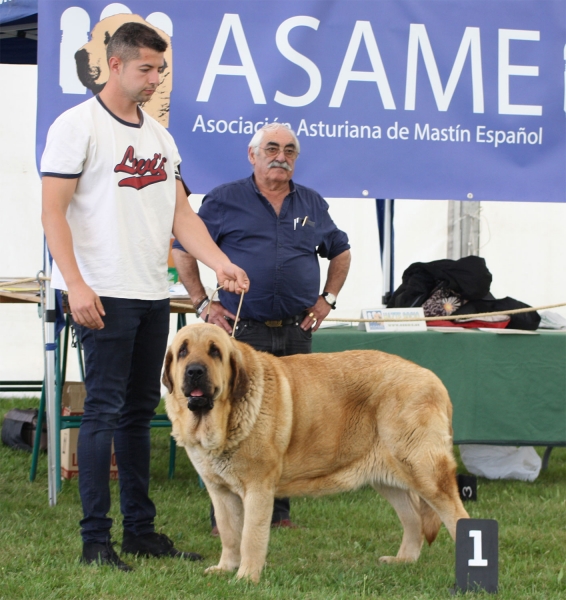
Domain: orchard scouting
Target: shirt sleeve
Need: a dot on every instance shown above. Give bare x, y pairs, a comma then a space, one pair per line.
177, 245
210, 214
176, 160
334, 240
66, 149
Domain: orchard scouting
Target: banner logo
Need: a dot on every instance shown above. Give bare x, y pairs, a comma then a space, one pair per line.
83, 62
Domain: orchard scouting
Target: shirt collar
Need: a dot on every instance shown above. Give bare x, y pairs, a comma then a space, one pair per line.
127, 123
256, 189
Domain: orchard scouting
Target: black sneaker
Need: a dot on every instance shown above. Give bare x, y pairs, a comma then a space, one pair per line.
103, 554
154, 544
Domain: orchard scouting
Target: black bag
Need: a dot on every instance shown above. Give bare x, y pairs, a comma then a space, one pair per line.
18, 429
468, 277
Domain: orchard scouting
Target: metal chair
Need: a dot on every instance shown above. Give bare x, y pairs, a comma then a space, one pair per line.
67, 422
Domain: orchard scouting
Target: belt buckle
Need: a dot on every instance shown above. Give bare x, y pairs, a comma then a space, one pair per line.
274, 323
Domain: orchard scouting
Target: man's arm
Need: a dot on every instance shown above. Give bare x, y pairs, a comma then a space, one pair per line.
189, 229
187, 268
85, 304
337, 273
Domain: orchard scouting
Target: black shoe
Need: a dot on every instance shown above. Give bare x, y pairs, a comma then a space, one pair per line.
103, 554
154, 544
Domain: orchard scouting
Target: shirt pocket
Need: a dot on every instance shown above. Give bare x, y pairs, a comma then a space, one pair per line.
304, 238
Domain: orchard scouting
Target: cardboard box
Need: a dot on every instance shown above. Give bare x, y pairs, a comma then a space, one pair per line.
69, 463
72, 404
73, 398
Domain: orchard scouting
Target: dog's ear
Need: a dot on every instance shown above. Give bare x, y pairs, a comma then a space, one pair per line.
239, 382
167, 379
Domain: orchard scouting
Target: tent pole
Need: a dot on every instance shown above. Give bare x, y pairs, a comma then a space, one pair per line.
387, 252
48, 317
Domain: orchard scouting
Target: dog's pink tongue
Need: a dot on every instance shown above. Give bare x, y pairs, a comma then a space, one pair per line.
197, 392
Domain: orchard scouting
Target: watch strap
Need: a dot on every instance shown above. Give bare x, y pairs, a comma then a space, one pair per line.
325, 296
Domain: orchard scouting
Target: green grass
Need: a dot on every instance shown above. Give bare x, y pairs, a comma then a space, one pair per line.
334, 554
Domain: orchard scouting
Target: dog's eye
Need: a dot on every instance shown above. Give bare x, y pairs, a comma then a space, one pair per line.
214, 351
183, 350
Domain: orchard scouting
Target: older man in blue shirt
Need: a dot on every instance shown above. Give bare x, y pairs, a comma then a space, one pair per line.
275, 230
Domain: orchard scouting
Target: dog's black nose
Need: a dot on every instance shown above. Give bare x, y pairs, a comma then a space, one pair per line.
195, 371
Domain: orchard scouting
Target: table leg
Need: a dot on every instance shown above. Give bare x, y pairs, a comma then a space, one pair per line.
546, 458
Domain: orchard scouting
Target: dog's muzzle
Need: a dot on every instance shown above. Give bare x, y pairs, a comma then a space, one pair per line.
195, 388
200, 403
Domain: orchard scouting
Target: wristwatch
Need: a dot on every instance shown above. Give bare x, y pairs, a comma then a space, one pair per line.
330, 298
199, 308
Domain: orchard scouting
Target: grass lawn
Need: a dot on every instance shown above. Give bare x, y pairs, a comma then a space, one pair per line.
334, 554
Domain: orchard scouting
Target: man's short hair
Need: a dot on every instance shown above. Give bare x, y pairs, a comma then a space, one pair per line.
127, 40
258, 136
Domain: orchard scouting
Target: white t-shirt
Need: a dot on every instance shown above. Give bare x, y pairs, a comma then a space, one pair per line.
121, 215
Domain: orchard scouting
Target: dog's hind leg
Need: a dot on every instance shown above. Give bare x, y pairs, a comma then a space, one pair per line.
446, 502
407, 507
437, 487
229, 513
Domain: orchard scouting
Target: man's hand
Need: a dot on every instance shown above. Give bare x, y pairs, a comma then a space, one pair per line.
86, 307
232, 278
319, 312
217, 315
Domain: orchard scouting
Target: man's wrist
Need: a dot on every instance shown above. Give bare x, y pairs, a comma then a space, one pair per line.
201, 306
201, 299
329, 299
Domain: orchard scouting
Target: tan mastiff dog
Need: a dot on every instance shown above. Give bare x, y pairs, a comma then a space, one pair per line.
92, 65
256, 426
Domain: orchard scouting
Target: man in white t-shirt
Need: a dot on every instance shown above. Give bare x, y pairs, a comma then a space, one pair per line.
112, 196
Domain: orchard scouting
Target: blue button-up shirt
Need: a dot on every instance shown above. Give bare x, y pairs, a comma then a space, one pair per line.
278, 252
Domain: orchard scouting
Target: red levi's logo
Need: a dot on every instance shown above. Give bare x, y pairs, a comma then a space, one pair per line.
144, 171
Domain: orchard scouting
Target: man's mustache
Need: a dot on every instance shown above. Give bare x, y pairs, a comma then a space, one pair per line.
282, 165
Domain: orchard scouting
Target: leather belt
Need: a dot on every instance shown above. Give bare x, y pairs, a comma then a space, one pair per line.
275, 323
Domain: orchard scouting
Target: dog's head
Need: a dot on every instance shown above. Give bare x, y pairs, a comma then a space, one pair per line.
92, 65
204, 371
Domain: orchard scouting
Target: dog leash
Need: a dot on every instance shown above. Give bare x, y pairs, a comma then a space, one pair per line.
237, 314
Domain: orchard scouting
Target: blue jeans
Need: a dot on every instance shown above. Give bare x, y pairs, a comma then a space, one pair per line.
279, 341
123, 365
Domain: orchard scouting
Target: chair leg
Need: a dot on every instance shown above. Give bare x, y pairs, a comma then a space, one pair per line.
172, 457
37, 438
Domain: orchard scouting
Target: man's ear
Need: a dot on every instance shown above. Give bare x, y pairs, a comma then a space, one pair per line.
239, 382
115, 64
167, 379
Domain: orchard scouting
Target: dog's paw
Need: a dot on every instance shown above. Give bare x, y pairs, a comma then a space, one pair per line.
392, 560
248, 575
219, 569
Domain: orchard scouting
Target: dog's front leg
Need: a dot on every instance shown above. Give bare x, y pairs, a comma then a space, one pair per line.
258, 509
229, 513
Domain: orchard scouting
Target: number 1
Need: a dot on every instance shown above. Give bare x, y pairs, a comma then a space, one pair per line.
477, 561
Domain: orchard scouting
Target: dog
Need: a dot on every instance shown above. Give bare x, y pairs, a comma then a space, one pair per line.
256, 427
92, 65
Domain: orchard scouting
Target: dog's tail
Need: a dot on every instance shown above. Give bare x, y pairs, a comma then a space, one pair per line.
431, 521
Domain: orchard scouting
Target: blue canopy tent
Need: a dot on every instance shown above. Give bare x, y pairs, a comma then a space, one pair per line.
18, 32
